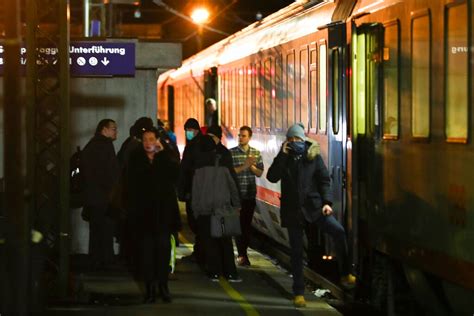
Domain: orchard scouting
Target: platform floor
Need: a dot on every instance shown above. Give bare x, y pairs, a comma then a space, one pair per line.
265, 290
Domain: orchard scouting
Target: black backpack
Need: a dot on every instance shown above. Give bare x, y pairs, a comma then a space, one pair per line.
76, 180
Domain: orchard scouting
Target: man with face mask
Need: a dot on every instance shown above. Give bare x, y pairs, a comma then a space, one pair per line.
306, 200
193, 138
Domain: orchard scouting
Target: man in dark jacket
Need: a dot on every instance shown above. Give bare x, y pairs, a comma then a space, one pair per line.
306, 199
193, 138
101, 171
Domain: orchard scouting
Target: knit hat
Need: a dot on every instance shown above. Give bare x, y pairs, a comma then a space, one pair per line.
215, 130
296, 130
192, 123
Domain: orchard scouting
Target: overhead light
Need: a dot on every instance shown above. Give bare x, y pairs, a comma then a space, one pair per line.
200, 15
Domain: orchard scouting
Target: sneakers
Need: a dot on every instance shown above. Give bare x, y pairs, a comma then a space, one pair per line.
234, 278
243, 261
299, 301
348, 281
213, 277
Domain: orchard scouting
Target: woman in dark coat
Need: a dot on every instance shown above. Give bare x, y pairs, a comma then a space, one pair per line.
152, 173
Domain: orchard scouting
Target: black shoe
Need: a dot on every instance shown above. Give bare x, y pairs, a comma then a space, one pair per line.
165, 293
234, 278
150, 295
213, 277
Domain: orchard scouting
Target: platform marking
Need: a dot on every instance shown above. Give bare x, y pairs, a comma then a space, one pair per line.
234, 294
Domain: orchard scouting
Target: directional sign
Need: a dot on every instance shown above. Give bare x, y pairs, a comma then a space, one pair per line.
88, 58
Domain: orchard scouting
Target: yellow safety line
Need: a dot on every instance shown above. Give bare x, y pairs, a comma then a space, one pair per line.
235, 295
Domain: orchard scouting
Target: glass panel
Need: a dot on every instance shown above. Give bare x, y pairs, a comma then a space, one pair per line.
290, 88
359, 82
249, 95
279, 97
457, 65
314, 106
258, 94
420, 69
267, 85
390, 81
322, 87
304, 95
335, 91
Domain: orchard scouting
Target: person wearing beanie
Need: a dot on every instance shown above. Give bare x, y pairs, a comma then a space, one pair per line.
185, 180
215, 130
306, 203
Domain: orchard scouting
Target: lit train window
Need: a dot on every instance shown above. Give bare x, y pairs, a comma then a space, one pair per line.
279, 96
243, 108
222, 98
290, 87
304, 93
335, 91
238, 98
391, 80
420, 74
322, 87
313, 112
267, 87
233, 91
457, 65
258, 94
248, 92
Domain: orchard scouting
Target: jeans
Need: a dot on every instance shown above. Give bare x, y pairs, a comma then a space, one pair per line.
328, 225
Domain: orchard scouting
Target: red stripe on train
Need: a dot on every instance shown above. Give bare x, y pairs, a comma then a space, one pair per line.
268, 196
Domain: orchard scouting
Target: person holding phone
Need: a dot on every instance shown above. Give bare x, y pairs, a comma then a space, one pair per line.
306, 200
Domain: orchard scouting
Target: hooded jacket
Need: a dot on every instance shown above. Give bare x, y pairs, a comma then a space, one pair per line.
305, 185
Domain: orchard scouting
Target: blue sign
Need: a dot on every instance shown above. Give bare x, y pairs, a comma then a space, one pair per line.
88, 58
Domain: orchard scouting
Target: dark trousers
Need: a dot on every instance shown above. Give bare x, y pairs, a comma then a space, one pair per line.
246, 216
101, 240
193, 224
329, 225
156, 252
219, 252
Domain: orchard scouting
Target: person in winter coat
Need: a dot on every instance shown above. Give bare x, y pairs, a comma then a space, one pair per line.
218, 252
101, 172
306, 199
193, 138
151, 175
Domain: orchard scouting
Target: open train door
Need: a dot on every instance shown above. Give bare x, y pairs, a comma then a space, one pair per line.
337, 114
366, 63
211, 92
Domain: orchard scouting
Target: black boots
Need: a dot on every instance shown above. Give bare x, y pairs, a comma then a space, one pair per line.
165, 292
150, 295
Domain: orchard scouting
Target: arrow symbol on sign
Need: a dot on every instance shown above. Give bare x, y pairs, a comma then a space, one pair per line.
105, 61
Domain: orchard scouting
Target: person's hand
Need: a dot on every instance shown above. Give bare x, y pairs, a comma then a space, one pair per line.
327, 210
285, 148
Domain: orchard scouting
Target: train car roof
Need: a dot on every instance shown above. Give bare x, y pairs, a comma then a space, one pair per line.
278, 28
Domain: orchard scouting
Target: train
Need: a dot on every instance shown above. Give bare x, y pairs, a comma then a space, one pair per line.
385, 87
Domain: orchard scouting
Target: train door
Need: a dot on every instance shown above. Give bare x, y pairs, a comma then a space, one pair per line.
211, 92
366, 97
337, 115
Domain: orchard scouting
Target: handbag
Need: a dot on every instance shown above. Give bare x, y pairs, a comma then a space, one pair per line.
225, 225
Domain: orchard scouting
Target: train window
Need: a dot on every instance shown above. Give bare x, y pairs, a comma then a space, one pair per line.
222, 98
322, 86
279, 97
335, 91
258, 94
234, 98
420, 75
391, 80
290, 87
267, 86
304, 93
457, 65
248, 93
313, 109
240, 97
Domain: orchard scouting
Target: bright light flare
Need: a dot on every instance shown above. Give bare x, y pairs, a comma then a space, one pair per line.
200, 15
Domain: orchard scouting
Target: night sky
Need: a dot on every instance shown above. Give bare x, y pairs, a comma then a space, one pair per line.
235, 17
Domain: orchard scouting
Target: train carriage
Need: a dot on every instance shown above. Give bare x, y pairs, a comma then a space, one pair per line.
385, 89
